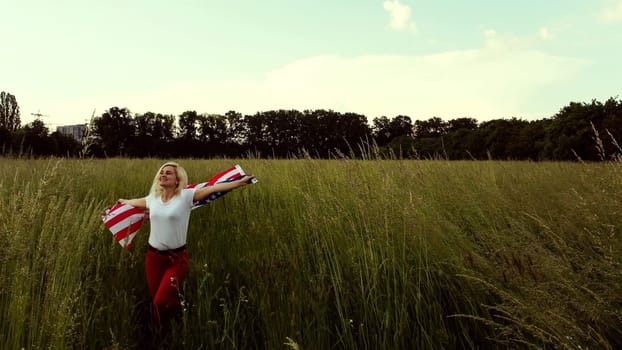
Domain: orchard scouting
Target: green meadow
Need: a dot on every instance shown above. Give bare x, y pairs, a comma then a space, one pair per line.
323, 254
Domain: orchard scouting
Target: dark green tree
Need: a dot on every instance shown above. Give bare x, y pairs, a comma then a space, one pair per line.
500, 138
433, 127
428, 148
114, 132
6, 140
189, 126
462, 123
612, 127
574, 129
381, 131
213, 129
284, 132
235, 128
532, 139
384, 130
402, 147
356, 131
335, 134
256, 134
213, 135
234, 136
462, 143
401, 125
9, 112
461, 140
309, 130
188, 143
65, 145
154, 134
34, 139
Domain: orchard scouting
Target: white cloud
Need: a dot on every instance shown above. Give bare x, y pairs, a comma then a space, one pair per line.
499, 80
545, 34
484, 84
613, 12
504, 42
400, 16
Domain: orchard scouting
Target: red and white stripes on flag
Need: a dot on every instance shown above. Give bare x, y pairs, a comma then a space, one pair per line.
124, 220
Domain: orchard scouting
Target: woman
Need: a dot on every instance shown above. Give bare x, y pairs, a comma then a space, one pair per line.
169, 204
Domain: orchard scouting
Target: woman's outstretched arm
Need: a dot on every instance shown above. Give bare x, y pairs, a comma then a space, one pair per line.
202, 193
140, 203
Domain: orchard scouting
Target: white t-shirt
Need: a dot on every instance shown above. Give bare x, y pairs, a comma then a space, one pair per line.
169, 221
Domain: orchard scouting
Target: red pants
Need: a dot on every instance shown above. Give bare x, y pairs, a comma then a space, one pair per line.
165, 275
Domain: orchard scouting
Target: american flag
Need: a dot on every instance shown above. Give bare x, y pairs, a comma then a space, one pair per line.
124, 220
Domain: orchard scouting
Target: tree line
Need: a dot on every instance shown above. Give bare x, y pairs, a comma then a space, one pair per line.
586, 131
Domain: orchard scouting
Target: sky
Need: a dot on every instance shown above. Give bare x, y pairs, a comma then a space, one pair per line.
70, 60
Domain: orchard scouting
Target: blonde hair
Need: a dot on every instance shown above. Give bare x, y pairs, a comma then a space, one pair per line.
182, 179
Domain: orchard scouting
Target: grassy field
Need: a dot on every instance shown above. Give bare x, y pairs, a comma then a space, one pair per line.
322, 254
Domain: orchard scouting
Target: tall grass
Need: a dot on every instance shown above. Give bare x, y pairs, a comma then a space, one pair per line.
322, 254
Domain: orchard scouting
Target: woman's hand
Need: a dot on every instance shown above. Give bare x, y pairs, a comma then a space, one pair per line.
247, 179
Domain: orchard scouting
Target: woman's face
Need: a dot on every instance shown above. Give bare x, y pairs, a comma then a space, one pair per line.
168, 177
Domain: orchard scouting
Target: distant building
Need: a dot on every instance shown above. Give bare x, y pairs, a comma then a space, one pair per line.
77, 131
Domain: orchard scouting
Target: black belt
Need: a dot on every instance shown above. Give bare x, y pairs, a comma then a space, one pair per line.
167, 252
